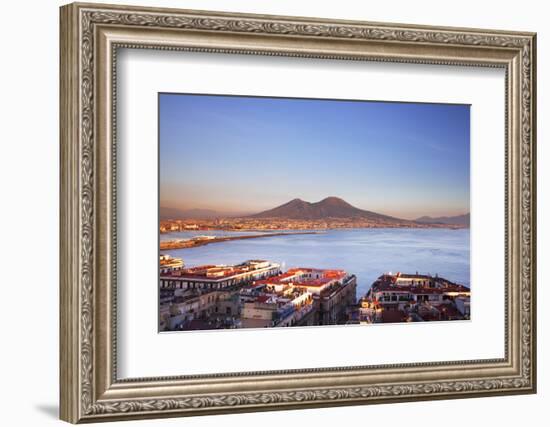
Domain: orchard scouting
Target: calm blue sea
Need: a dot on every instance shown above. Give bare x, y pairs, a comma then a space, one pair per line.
367, 253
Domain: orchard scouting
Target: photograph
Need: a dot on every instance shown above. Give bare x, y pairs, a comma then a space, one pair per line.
278, 212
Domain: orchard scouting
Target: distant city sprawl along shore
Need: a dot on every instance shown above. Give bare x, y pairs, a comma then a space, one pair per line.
331, 212
258, 294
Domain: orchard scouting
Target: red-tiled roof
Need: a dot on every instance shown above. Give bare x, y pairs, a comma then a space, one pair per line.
275, 280
201, 272
327, 276
334, 274
313, 283
299, 269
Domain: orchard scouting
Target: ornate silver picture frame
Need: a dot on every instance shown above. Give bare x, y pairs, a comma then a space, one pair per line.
91, 35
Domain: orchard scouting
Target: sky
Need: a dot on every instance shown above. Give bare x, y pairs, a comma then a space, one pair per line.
240, 155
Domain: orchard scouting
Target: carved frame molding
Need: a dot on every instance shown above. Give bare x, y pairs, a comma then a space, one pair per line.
90, 37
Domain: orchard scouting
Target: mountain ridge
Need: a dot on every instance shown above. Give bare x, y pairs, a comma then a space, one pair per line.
463, 219
329, 207
167, 213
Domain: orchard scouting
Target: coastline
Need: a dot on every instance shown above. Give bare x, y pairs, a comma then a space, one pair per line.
290, 230
194, 243
367, 252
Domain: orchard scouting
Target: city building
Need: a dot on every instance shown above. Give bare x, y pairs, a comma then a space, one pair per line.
167, 264
253, 294
329, 292
218, 276
336, 301
414, 297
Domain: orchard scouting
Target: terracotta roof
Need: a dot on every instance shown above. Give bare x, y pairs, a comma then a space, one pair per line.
202, 271
313, 283
300, 269
327, 276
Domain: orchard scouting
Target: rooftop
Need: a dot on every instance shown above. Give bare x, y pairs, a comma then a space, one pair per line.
217, 272
313, 283
325, 276
439, 285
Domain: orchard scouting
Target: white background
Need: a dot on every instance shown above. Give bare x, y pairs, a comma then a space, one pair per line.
141, 347
29, 169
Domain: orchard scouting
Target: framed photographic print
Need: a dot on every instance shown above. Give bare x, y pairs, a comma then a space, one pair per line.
228, 261
265, 212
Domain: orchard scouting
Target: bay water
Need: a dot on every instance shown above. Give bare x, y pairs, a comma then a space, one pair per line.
366, 252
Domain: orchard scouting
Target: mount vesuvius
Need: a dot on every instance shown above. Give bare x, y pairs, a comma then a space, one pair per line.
330, 207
